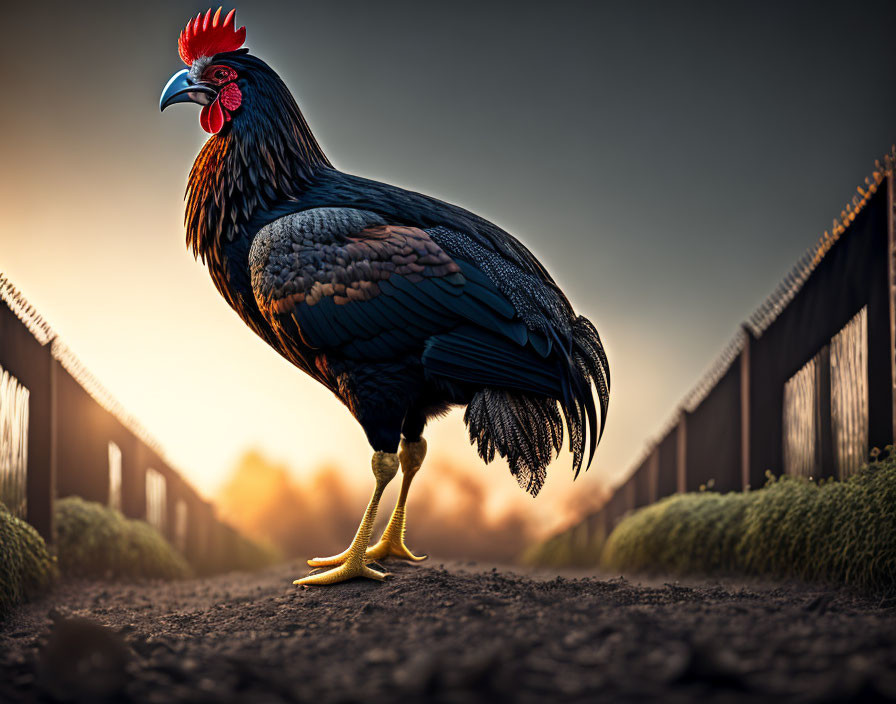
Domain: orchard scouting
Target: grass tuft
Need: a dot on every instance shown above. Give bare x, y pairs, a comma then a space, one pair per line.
819, 531
26, 567
96, 541
571, 548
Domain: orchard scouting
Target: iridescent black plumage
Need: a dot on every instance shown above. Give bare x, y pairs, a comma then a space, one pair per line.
400, 303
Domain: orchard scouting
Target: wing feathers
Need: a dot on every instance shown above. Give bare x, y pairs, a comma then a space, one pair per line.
352, 283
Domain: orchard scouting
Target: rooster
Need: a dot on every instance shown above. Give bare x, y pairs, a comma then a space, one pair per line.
400, 304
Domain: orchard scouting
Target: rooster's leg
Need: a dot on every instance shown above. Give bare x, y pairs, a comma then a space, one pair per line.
385, 465
392, 542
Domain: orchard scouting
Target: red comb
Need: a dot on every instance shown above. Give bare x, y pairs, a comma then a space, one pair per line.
207, 36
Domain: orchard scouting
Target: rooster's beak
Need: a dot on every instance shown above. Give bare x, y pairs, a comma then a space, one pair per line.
180, 89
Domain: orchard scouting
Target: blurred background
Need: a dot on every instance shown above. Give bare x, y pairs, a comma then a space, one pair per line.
668, 164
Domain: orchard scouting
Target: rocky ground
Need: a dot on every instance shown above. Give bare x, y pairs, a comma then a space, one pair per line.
448, 633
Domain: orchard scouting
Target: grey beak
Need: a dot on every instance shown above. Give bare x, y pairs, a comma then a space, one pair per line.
180, 89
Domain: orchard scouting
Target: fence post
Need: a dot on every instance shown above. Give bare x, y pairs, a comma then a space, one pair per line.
199, 533
682, 452
891, 292
879, 342
653, 475
172, 494
745, 406
133, 484
41, 472
752, 472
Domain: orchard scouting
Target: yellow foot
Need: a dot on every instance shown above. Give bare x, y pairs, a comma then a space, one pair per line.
342, 573
391, 548
383, 549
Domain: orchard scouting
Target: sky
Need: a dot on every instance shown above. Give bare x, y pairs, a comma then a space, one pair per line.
668, 162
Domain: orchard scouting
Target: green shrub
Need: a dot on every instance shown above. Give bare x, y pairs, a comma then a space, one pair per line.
251, 555
556, 551
576, 547
828, 531
96, 541
26, 566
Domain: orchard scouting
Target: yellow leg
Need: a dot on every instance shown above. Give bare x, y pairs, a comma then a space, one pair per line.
391, 544
411, 456
385, 465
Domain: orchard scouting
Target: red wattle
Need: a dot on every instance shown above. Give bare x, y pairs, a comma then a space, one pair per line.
212, 117
203, 117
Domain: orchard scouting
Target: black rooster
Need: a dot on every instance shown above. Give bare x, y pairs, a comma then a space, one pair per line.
402, 305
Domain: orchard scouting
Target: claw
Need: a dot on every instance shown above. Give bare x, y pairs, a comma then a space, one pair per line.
331, 561
392, 548
342, 573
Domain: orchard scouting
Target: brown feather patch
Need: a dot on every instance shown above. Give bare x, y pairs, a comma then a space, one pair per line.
350, 272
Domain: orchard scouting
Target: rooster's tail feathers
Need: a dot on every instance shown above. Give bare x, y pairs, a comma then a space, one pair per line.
527, 429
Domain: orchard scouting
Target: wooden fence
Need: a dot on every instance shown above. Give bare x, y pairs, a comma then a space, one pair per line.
807, 386
62, 434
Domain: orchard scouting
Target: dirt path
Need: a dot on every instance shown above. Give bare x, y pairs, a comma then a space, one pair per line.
447, 634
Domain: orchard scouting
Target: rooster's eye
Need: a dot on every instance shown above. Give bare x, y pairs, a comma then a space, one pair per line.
220, 74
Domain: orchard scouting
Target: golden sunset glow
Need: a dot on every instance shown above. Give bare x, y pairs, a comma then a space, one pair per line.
649, 236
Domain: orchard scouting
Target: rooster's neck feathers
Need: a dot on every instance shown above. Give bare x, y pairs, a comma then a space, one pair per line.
267, 156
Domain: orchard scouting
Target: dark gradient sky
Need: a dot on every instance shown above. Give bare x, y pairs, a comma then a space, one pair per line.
667, 161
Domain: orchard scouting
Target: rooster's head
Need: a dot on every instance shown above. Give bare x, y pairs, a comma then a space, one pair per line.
215, 79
